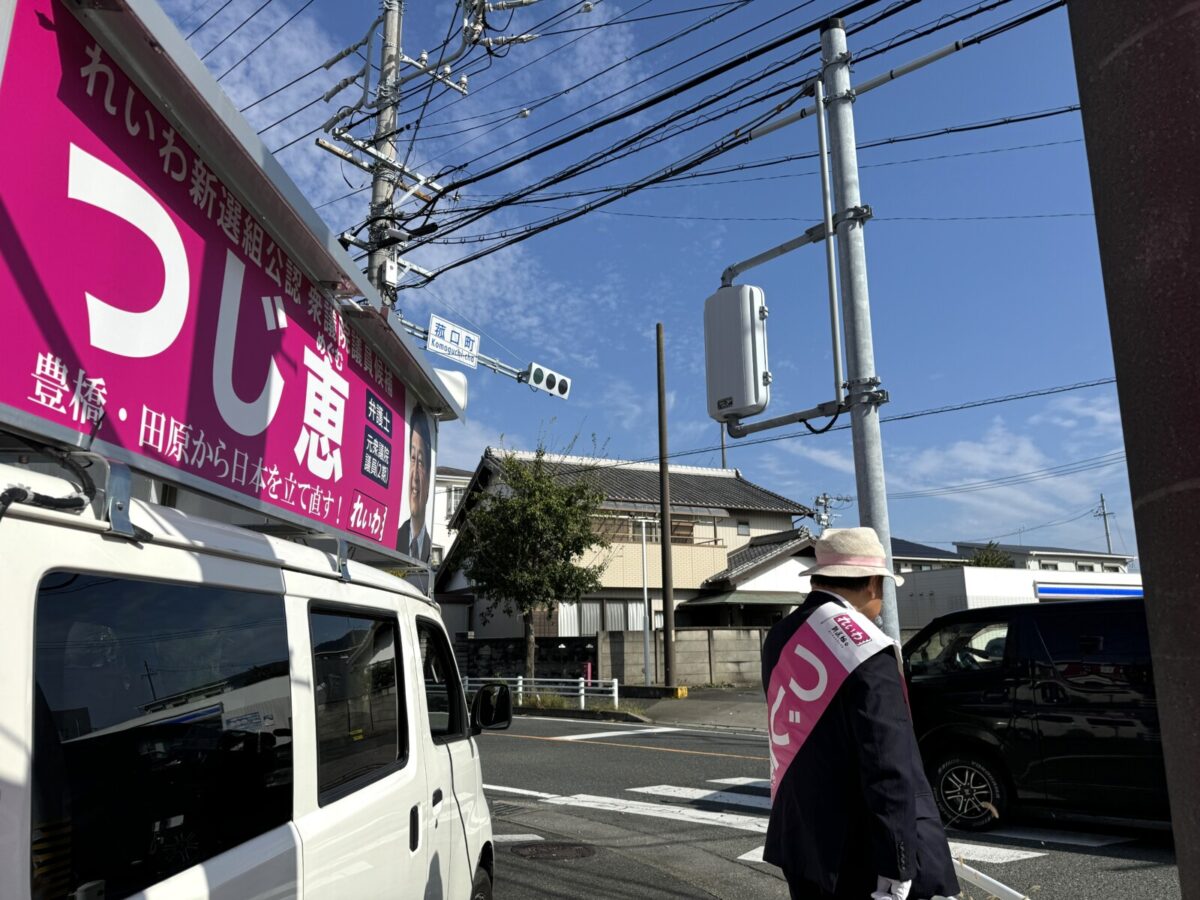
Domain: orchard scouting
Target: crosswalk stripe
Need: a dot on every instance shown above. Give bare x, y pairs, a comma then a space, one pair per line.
987, 854
764, 783
607, 734
663, 811
541, 795
755, 855
516, 838
754, 801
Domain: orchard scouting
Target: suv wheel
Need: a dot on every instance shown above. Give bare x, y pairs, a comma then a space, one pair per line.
970, 792
481, 888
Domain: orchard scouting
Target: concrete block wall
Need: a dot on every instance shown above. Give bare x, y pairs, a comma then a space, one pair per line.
702, 656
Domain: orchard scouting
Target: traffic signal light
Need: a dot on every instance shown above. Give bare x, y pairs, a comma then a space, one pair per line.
547, 380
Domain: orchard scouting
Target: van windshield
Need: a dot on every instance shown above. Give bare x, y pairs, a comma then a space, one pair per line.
960, 647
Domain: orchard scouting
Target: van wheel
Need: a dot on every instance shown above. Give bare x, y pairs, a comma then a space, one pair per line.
481, 889
970, 792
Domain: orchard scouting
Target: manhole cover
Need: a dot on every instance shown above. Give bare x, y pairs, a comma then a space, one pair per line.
553, 850
505, 809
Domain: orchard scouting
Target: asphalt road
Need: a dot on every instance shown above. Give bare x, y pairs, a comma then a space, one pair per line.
602, 810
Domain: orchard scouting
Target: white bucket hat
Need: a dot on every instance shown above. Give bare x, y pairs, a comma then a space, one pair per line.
850, 553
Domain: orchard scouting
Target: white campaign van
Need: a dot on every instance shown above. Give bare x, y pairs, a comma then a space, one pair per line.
214, 435
190, 709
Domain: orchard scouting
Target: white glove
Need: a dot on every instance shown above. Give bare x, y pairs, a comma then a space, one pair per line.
890, 889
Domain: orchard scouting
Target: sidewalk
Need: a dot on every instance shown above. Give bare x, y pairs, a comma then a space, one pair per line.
742, 708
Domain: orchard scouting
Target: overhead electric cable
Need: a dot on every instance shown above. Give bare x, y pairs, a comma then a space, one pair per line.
680, 182
209, 19
967, 487
242, 24
532, 230
731, 140
258, 46
661, 96
900, 417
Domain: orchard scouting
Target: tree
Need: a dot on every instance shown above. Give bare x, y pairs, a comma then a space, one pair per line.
990, 557
523, 539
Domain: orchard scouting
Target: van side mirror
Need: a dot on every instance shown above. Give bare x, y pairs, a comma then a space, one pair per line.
491, 708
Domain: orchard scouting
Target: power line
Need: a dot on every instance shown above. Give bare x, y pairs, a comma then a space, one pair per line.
258, 46
209, 19
999, 122
667, 94
967, 487
542, 101
280, 90
681, 218
724, 145
900, 417
236, 29
664, 15
993, 537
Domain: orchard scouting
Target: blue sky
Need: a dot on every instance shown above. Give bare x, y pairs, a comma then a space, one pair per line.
984, 271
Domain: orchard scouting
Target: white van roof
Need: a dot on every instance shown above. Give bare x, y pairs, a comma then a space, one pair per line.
173, 528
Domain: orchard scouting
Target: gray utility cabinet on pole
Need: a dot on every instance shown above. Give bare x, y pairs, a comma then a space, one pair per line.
864, 394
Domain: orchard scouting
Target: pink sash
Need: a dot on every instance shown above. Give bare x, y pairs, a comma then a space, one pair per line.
820, 656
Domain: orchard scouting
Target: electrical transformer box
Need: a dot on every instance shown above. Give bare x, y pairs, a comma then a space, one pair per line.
735, 352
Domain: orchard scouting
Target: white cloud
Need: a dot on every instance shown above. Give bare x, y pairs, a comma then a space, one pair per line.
461, 443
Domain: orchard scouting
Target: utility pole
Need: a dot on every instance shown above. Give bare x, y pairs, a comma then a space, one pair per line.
1104, 514
864, 394
664, 489
722, 430
647, 612
383, 183
149, 676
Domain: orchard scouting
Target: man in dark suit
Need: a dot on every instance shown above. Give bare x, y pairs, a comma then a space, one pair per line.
413, 538
852, 814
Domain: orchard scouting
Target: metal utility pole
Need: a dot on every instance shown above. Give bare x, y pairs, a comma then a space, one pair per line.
722, 429
1150, 258
1105, 515
864, 393
383, 184
664, 486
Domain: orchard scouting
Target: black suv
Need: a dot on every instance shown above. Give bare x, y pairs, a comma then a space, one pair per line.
1044, 704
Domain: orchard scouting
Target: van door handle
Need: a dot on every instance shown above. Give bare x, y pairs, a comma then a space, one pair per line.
437, 796
414, 828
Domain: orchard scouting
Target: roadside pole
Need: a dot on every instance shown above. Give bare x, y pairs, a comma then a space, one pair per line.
383, 184
1104, 514
664, 524
864, 393
1142, 143
647, 612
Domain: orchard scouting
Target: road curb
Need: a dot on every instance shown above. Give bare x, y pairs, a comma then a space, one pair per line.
600, 715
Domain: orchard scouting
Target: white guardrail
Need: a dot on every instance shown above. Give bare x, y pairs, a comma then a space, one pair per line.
575, 690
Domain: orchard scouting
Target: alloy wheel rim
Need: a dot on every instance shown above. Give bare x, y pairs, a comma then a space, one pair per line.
967, 791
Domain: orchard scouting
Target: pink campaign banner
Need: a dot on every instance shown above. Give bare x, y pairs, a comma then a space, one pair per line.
146, 307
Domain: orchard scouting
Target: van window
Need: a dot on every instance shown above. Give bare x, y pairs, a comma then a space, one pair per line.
960, 647
443, 693
362, 732
162, 729
1099, 648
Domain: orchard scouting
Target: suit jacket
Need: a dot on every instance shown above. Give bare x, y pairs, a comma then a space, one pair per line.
855, 802
404, 541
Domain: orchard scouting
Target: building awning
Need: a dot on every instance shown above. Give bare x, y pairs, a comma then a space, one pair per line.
747, 598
